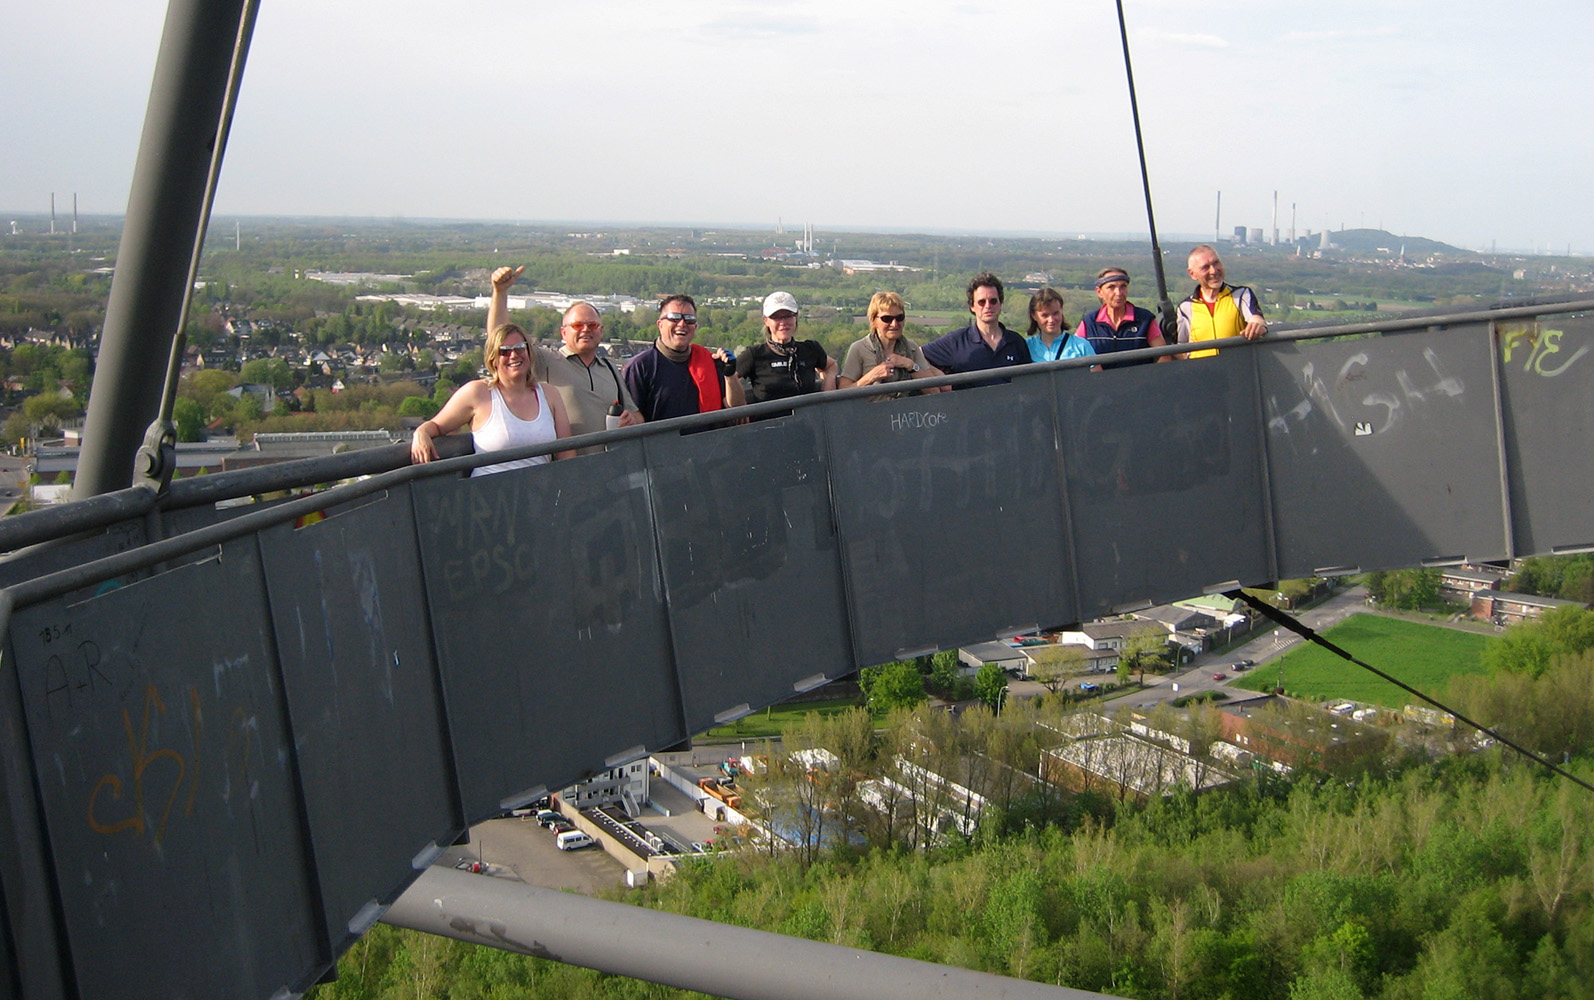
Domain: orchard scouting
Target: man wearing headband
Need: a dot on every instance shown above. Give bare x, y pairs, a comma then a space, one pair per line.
1119, 325
1216, 309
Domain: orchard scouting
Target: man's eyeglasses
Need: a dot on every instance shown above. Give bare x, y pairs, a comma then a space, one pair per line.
987, 302
888, 320
506, 351
690, 319
584, 327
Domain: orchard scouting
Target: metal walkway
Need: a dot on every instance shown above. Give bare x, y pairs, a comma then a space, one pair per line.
230, 737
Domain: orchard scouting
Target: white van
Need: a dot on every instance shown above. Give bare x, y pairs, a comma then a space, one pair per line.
572, 840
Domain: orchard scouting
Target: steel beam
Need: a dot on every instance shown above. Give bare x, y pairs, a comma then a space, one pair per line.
181, 129
684, 952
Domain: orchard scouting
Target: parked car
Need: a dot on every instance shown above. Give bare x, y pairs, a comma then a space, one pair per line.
573, 840
1242, 664
561, 825
1220, 676
1087, 686
547, 816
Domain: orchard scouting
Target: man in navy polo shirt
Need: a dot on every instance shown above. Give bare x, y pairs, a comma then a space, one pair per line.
984, 343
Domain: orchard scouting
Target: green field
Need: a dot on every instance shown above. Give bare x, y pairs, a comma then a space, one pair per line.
1424, 656
772, 720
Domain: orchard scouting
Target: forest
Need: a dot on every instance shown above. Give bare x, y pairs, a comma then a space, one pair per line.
1438, 872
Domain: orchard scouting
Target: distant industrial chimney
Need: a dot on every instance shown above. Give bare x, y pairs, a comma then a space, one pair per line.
1292, 222
74, 213
1275, 240
52, 213
1217, 220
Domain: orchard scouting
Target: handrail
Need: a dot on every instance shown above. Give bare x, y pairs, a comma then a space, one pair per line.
685, 952
102, 511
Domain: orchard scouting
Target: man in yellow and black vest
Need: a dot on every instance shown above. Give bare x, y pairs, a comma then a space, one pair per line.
1216, 309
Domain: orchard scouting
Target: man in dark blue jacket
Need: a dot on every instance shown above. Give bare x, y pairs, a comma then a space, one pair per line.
1119, 325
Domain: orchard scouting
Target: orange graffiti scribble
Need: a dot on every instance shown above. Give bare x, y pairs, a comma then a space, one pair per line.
141, 758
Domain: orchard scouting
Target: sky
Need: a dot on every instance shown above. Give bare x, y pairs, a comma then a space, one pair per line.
1455, 120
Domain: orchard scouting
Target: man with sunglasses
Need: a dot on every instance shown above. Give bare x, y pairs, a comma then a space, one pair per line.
782, 365
675, 377
984, 343
588, 382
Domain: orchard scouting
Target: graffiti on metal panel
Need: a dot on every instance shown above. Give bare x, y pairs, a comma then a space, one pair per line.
917, 420
116, 810
78, 674
154, 776
1543, 350
486, 523
1338, 400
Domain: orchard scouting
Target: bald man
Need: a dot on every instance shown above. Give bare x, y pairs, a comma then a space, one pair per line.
1216, 309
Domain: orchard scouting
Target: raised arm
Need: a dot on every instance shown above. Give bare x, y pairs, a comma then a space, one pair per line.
498, 305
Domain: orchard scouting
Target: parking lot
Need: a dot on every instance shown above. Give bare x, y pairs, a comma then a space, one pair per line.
522, 850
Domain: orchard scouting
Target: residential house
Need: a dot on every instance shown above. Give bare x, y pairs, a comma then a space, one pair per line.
1506, 608
1105, 641
1462, 583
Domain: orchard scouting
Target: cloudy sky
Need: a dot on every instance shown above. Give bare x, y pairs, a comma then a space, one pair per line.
1453, 119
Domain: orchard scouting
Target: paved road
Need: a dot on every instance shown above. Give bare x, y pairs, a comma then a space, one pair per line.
1268, 644
14, 473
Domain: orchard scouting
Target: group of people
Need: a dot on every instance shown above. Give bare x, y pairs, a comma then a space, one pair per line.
675, 377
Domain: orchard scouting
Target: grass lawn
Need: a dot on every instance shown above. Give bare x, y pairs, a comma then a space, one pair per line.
1424, 656
770, 722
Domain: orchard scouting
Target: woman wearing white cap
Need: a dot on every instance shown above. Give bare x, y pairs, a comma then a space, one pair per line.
783, 366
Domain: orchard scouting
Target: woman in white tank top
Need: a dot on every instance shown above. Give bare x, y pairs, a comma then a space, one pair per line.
506, 410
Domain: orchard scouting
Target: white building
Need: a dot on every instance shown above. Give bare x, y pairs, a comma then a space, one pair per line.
625, 786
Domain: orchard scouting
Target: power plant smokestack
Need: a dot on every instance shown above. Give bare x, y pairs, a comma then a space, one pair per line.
1292, 222
1275, 240
52, 213
1217, 220
74, 213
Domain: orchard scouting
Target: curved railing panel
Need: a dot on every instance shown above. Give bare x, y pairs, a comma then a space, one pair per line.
1384, 452
240, 743
164, 762
751, 564
550, 622
1151, 453
369, 729
949, 507
1547, 385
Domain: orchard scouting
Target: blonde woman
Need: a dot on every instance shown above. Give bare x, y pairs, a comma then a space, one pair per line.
508, 409
885, 355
